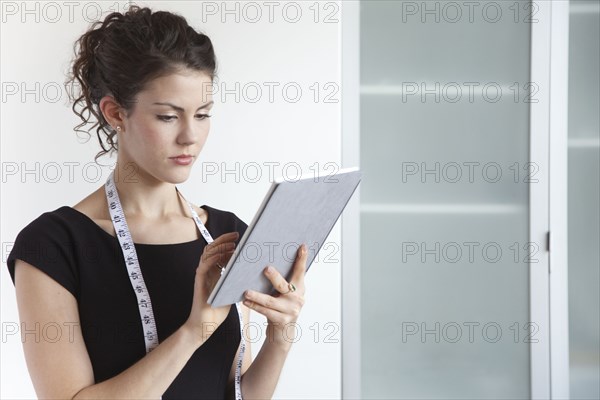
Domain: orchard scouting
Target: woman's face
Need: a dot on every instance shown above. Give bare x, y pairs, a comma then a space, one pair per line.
169, 119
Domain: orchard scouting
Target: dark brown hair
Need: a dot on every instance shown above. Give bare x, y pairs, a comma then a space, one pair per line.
122, 54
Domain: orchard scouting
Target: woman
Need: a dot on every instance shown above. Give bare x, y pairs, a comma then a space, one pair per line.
134, 320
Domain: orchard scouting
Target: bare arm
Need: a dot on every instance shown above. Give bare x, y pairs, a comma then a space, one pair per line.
62, 368
260, 380
260, 377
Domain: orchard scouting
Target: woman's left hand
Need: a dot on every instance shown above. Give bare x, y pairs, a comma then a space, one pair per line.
282, 310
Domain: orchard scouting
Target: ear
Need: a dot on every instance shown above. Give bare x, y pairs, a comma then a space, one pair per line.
112, 111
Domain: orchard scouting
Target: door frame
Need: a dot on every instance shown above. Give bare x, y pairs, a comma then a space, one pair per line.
548, 201
350, 256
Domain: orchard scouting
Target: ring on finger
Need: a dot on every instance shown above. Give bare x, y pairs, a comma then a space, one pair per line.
221, 268
291, 288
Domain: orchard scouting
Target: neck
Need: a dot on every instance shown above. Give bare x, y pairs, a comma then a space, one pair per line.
144, 196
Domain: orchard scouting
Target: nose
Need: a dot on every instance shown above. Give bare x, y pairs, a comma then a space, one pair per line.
188, 134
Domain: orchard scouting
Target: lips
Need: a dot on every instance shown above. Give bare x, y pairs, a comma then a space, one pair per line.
183, 159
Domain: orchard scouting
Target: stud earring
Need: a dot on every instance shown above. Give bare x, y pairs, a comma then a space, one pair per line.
119, 128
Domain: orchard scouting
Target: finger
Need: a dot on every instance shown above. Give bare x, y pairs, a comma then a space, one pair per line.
227, 236
211, 250
299, 269
220, 242
224, 238
271, 314
277, 280
277, 304
221, 258
222, 261
226, 257
230, 237
212, 269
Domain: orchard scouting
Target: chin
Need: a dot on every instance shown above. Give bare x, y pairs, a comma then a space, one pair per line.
175, 177
180, 179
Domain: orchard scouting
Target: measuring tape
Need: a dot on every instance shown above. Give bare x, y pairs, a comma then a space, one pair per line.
137, 280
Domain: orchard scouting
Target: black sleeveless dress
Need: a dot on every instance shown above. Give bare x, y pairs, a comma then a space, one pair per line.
73, 250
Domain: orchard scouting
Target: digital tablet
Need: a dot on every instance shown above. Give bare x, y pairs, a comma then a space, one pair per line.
293, 212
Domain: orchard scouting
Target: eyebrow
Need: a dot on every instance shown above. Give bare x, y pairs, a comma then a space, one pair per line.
181, 109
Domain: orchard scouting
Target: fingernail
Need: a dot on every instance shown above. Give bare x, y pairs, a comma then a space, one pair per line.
303, 252
269, 270
248, 294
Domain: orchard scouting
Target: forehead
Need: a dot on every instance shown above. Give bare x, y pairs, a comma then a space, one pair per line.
189, 87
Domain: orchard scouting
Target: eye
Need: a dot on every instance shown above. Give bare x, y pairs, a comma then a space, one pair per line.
166, 118
203, 116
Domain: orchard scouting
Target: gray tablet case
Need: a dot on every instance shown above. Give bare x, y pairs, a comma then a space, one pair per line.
292, 213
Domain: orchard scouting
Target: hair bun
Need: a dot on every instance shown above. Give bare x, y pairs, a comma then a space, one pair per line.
123, 54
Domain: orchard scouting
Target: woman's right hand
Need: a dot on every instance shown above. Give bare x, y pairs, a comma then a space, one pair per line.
204, 319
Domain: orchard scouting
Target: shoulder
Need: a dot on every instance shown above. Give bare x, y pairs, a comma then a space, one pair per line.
95, 208
47, 243
53, 223
223, 221
64, 222
224, 216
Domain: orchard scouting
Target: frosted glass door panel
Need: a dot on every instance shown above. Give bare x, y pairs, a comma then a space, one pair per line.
485, 44
584, 64
444, 327
445, 256
584, 199
459, 153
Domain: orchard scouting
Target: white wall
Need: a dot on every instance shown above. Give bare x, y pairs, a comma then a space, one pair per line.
36, 135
